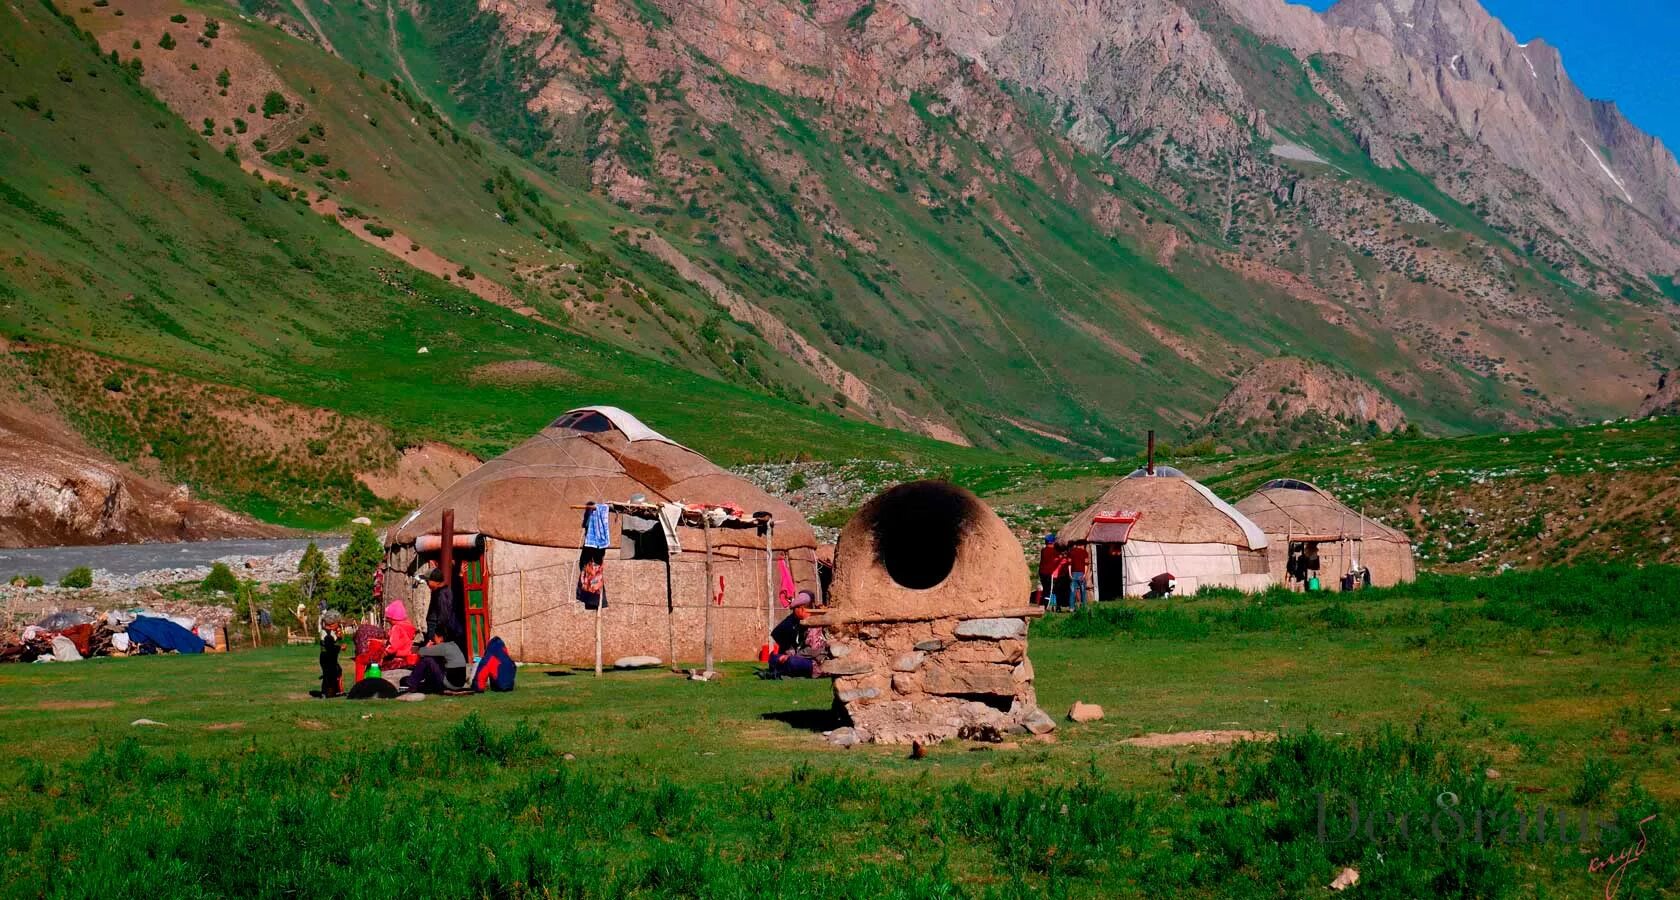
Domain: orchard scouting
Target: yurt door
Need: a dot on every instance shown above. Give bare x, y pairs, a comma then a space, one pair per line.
1111, 571
475, 591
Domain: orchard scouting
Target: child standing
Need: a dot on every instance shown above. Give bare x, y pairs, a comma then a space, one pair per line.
332, 675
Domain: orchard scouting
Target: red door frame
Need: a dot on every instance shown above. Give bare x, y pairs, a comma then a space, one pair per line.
474, 585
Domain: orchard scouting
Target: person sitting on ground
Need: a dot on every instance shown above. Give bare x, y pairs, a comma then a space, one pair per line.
332, 674
442, 666
399, 644
795, 655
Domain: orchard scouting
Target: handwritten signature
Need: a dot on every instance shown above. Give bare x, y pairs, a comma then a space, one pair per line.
1616, 863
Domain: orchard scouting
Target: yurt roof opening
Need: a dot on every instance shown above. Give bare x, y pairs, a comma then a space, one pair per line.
519, 533
1158, 521
1301, 517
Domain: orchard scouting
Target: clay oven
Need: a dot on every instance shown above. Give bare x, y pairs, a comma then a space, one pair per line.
926, 626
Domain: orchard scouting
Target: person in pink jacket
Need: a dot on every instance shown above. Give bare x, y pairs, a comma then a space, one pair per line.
399, 644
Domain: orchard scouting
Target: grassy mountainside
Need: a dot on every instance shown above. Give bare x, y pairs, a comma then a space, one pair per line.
126, 234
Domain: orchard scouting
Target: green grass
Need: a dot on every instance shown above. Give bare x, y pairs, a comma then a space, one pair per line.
648, 784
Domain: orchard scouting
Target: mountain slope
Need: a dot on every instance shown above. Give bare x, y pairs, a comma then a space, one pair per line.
178, 311
901, 184
1019, 225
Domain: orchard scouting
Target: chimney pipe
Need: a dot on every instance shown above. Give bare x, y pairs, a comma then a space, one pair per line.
1150, 466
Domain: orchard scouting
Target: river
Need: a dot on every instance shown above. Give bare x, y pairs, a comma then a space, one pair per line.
131, 559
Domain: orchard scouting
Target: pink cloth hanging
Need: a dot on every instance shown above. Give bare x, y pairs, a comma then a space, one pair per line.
788, 588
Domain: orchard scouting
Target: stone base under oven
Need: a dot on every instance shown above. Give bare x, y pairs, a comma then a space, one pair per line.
931, 680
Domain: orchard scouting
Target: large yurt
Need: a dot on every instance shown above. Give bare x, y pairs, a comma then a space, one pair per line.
1304, 521
1159, 521
707, 557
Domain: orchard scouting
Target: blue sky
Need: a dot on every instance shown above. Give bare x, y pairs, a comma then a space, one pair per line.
1622, 50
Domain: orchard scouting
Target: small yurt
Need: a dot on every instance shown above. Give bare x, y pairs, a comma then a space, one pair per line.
1158, 521
1305, 522
703, 563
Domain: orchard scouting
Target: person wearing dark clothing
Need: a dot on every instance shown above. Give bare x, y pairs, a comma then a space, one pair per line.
440, 612
332, 674
1049, 561
794, 653
442, 667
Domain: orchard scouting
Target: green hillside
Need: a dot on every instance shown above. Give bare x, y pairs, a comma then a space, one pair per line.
125, 234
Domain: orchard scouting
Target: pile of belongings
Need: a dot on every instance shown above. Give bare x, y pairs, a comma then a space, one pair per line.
69, 636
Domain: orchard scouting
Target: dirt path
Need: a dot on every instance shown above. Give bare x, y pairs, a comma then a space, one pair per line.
303, 10
396, 48
411, 252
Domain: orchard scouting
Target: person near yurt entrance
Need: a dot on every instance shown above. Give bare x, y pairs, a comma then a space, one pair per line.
1314, 534
1159, 522
597, 522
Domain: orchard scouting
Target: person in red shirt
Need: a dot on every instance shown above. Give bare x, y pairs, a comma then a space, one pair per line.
1079, 565
1050, 563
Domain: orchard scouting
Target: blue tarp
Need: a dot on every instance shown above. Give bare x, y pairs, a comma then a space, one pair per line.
163, 634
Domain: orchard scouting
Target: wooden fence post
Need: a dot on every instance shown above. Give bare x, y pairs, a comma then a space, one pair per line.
706, 529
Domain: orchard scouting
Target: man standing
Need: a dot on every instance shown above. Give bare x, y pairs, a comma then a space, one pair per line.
441, 611
1049, 562
1079, 563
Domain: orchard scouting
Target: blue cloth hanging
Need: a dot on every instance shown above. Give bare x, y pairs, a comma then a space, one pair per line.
595, 527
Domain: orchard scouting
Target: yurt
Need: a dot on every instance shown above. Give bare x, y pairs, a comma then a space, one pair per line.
1158, 521
697, 562
1305, 522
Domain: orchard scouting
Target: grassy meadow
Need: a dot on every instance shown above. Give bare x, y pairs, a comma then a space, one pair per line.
1540, 700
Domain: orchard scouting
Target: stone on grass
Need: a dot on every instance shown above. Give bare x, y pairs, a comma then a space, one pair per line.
1039, 722
636, 662
1085, 712
1346, 878
148, 722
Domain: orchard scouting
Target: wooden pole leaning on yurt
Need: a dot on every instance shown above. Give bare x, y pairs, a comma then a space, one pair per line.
706, 529
769, 578
670, 616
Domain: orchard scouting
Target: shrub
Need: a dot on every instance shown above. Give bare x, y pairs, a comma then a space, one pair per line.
167, 42
79, 577
1594, 781
352, 591
114, 383
224, 78
314, 575
274, 104
178, 19
220, 580
378, 231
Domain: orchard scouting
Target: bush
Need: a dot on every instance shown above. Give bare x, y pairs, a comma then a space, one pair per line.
220, 580
114, 383
1594, 781
378, 231
274, 104
79, 577
167, 42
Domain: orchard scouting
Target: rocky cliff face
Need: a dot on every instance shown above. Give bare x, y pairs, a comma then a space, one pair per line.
1047, 224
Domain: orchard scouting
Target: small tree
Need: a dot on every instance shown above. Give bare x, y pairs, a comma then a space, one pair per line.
315, 577
352, 591
275, 103
220, 580
79, 577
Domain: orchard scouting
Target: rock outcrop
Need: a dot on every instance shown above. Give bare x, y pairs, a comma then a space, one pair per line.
1284, 395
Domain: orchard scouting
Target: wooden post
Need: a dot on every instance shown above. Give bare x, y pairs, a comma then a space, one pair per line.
251, 606
446, 556
598, 604
769, 577
524, 651
1149, 464
706, 529
1094, 595
670, 616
